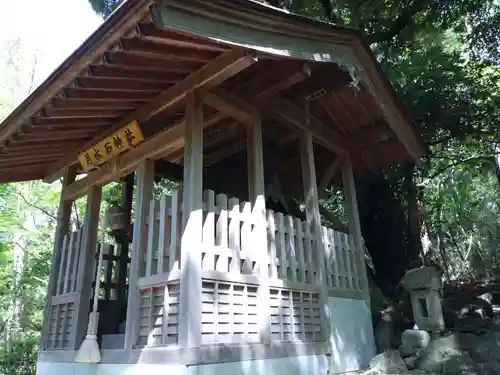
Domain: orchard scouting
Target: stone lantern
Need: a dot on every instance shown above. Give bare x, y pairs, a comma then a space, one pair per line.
424, 285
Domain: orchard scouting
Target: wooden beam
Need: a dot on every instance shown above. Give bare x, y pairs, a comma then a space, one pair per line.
163, 143
210, 75
288, 82
285, 110
232, 106
351, 208
329, 174
85, 265
256, 193
313, 222
191, 241
144, 193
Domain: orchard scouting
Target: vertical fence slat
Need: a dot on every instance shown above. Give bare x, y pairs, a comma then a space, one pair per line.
109, 272
246, 237
166, 309
340, 259
78, 245
234, 235
271, 225
62, 265
280, 244
334, 258
69, 260
345, 247
299, 249
174, 227
290, 248
308, 252
222, 232
164, 232
150, 241
208, 261
353, 256
327, 256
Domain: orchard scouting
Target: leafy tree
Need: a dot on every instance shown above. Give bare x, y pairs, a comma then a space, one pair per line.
442, 58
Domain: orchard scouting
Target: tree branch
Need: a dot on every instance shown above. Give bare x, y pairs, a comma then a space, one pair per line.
463, 161
35, 206
399, 24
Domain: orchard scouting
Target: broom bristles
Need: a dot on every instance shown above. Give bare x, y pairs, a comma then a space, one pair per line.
89, 351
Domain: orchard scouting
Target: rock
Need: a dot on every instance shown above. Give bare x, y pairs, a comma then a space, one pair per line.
413, 340
445, 355
389, 362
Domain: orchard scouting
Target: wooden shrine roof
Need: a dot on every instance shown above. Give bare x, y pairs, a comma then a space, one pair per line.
122, 71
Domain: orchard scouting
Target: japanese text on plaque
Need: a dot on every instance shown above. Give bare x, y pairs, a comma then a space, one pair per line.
108, 148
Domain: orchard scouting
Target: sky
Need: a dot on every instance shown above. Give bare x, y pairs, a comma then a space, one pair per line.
51, 29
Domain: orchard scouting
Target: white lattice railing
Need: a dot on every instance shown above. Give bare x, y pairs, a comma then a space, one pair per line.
230, 273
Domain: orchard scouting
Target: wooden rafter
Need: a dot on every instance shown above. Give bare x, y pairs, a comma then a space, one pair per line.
208, 76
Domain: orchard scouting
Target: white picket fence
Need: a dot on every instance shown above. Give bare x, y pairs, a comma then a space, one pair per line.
229, 245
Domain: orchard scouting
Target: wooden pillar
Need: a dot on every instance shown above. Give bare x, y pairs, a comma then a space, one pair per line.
351, 208
313, 220
144, 193
256, 191
192, 218
121, 276
85, 264
63, 219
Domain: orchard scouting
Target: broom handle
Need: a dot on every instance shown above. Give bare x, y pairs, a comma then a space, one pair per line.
100, 249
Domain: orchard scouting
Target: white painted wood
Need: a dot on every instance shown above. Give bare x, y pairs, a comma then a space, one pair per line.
222, 232
192, 236
299, 250
151, 234
328, 256
339, 251
334, 256
87, 254
234, 235
347, 258
63, 219
173, 253
76, 254
280, 244
69, 261
308, 253
351, 206
62, 266
209, 230
290, 249
248, 240
165, 202
272, 244
313, 220
353, 256
144, 192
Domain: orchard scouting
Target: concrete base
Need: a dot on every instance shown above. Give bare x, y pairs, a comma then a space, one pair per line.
352, 348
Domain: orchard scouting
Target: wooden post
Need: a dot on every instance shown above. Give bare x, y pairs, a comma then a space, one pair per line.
85, 264
192, 218
144, 192
121, 274
63, 219
351, 207
256, 190
313, 222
